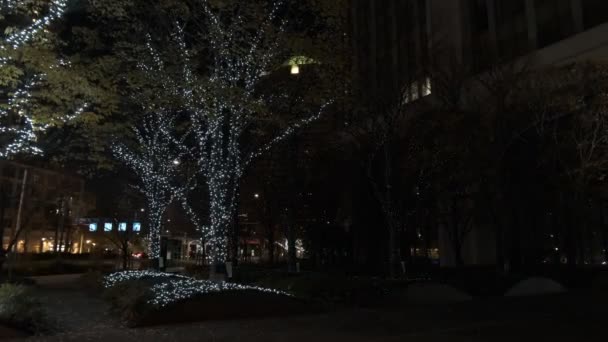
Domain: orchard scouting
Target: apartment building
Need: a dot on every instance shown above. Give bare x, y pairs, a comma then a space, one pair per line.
39, 206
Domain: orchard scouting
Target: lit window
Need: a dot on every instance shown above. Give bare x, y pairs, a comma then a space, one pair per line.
136, 226
417, 90
295, 69
427, 88
92, 227
107, 227
122, 227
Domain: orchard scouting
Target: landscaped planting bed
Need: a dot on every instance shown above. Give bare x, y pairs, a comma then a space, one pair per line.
145, 298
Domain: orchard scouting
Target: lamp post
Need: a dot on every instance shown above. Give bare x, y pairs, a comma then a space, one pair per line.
295, 69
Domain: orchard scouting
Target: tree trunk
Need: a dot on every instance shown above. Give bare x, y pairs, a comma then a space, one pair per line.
57, 227
3, 205
457, 249
271, 243
392, 258
570, 234
125, 256
291, 246
269, 229
154, 243
236, 238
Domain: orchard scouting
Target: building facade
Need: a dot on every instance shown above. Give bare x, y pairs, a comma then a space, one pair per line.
398, 42
38, 208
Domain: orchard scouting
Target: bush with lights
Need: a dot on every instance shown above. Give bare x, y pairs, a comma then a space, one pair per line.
138, 295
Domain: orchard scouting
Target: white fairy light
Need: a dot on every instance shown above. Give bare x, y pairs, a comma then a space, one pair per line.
17, 128
19, 38
174, 288
117, 277
223, 107
153, 161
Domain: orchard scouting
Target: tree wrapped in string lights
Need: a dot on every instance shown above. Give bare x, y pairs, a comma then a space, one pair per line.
155, 160
26, 24
240, 48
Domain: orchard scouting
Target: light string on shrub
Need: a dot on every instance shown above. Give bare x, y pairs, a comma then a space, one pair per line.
115, 278
173, 291
174, 288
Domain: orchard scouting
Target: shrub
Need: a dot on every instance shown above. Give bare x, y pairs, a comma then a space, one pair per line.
129, 300
148, 297
330, 288
20, 309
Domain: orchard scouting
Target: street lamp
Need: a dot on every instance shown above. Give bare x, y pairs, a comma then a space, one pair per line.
295, 69
176, 162
256, 196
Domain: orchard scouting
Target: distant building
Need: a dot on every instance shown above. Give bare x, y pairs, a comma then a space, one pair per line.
397, 41
51, 201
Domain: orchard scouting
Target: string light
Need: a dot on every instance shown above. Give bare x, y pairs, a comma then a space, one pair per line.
173, 291
115, 278
222, 108
153, 162
18, 128
174, 288
19, 38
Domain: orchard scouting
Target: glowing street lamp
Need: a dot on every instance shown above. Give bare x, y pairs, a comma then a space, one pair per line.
295, 69
296, 62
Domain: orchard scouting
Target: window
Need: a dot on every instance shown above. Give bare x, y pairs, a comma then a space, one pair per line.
107, 227
554, 21
136, 226
92, 227
418, 90
595, 12
122, 227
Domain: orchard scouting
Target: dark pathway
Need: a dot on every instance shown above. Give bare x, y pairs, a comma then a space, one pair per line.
557, 319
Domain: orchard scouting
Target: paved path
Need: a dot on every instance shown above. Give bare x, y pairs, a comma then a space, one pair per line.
85, 318
62, 281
